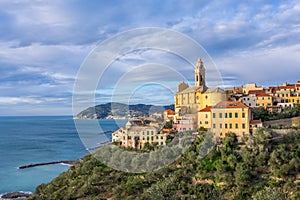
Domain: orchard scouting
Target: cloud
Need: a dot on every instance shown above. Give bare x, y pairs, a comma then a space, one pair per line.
43, 44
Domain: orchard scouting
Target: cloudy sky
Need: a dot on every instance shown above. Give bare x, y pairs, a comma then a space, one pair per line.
44, 43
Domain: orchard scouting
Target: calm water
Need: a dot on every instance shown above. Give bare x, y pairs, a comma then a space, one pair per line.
25, 140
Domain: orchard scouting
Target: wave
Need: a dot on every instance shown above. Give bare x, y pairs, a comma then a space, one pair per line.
65, 164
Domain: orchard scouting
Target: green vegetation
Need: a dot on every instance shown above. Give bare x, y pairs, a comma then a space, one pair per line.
261, 168
264, 115
168, 124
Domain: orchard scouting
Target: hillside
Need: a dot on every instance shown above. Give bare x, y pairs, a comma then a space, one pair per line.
120, 110
263, 168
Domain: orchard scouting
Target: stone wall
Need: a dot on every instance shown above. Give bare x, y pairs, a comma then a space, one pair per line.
283, 122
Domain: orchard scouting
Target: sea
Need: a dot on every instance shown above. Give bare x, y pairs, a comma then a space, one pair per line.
29, 140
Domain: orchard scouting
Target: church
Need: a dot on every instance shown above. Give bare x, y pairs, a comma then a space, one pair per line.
188, 101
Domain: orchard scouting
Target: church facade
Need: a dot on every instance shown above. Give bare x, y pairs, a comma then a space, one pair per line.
188, 101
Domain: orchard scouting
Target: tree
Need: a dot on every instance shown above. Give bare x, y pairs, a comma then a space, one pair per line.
242, 175
268, 194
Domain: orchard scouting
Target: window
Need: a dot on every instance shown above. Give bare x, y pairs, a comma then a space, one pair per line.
236, 115
152, 138
243, 115
226, 126
214, 125
151, 132
206, 115
147, 137
220, 115
263, 98
220, 125
157, 137
147, 132
161, 143
230, 115
214, 115
230, 125
161, 137
206, 122
236, 126
225, 115
243, 126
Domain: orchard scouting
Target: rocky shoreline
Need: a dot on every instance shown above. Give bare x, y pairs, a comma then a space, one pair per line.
15, 195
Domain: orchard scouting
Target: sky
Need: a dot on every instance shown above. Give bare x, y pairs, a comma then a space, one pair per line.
43, 44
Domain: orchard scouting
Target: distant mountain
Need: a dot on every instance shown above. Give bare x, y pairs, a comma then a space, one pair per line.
120, 110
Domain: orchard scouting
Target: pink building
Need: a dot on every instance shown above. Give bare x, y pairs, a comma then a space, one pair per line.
186, 123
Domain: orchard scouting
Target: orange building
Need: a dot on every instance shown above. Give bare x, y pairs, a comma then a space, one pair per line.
169, 115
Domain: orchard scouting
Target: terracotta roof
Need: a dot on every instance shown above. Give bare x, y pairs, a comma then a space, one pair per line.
166, 130
287, 87
263, 95
230, 104
207, 109
170, 112
256, 92
255, 121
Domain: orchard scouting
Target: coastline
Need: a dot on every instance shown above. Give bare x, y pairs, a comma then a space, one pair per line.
20, 195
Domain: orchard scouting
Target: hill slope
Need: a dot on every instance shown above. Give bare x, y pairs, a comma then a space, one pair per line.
260, 169
120, 110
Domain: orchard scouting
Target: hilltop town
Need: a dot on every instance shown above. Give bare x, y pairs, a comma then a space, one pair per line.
248, 162
219, 110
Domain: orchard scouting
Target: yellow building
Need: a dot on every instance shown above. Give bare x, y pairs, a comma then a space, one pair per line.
230, 116
187, 98
211, 97
190, 100
264, 100
204, 118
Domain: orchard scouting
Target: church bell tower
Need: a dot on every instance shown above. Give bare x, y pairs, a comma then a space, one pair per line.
199, 74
